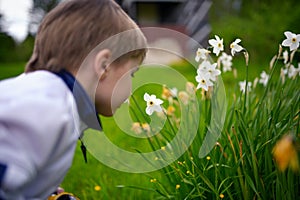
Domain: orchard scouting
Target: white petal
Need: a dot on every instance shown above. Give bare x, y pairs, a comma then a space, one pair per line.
216, 51
294, 46
209, 83
286, 43
214, 65
204, 86
217, 72
157, 108
232, 52
238, 40
213, 42
238, 48
152, 97
288, 34
149, 110
158, 101
198, 78
197, 58
146, 97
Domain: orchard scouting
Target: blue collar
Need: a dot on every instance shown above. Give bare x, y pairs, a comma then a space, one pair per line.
85, 107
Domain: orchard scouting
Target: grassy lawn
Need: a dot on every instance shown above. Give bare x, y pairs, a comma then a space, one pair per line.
241, 166
11, 69
94, 180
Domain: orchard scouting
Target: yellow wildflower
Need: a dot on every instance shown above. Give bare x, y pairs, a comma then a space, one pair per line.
177, 186
221, 196
97, 188
285, 153
166, 93
146, 127
136, 127
170, 110
153, 180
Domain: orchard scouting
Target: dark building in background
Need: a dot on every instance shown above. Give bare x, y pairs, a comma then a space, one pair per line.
187, 16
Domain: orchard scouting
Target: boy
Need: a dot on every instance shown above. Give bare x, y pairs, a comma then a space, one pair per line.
67, 82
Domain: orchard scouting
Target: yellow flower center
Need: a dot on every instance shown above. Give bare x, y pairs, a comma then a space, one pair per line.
294, 40
219, 45
151, 103
231, 46
203, 81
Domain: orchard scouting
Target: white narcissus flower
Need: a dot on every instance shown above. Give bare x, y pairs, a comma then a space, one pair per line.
153, 104
242, 85
201, 54
203, 81
213, 72
292, 71
264, 78
292, 40
285, 56
203, 67
217, 45
207, 68
226, 61
235, 47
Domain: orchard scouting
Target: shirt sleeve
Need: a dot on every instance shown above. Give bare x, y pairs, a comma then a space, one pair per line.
29, 131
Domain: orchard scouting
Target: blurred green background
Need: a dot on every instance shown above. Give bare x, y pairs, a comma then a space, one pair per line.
259, 23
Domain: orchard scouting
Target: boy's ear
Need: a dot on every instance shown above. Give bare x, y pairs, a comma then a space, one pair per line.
101, 62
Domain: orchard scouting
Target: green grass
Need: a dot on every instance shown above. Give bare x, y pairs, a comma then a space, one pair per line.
237, 176
8, 70
83, 177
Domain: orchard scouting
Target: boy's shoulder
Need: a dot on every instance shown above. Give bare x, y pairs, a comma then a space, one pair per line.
33, 83
37, 97
40, 90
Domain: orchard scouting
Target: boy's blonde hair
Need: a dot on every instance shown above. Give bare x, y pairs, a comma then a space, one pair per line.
70, 31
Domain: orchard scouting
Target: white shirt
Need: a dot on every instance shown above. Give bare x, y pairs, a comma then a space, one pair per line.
39, 128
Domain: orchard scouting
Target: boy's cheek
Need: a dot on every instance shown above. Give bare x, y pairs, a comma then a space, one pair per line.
120, 94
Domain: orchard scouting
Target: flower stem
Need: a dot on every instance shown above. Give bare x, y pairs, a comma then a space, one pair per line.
169, 121
137, 105
246, 90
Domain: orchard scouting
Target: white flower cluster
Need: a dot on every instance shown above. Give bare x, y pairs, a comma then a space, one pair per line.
292, 41
207, 72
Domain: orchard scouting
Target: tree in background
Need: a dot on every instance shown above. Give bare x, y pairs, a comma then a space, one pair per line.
40, 8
